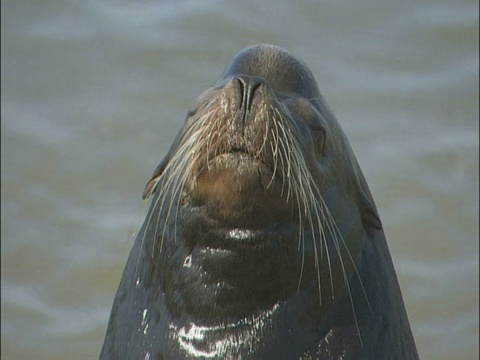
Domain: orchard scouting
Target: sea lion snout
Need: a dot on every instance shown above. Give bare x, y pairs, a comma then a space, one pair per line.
238, 175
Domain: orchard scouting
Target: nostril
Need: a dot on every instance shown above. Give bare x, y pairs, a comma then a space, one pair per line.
248, 86
242, 86
254, 85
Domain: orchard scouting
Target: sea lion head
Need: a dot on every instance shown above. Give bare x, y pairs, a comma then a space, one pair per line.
259, 198
262, 239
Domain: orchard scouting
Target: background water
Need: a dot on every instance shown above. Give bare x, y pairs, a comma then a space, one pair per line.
93, 93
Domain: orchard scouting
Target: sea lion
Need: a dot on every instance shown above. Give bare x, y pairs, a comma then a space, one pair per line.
262, 240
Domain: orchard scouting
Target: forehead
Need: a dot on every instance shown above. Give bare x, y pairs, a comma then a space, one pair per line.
282, 71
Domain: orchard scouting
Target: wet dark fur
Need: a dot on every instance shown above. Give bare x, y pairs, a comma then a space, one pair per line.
262, 240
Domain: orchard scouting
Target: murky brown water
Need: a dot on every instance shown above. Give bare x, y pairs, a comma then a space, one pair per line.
93, 93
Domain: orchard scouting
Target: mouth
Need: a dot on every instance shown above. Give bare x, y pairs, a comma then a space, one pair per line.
235, 201
240, 191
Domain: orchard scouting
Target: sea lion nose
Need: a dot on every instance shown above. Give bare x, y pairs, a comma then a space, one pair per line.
248, 86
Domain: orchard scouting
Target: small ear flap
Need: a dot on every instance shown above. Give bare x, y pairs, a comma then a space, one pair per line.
369, 212
152, 183
368, 209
